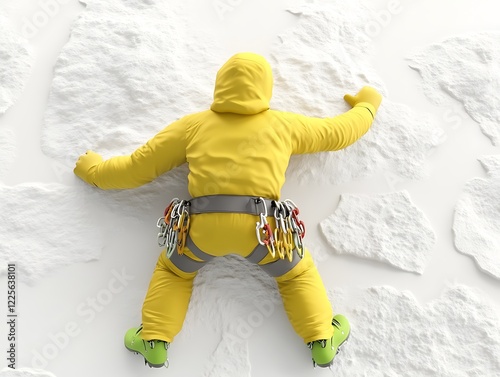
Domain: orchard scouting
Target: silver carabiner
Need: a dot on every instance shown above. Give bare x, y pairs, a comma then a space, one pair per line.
261, 200
290, 203
181, 207
262, 220
299, 244
172, 243
162, 239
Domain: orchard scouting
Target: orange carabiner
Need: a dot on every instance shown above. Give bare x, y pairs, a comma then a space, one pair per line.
183, 229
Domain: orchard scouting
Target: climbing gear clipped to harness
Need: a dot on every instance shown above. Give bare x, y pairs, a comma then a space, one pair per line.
298, 228
174, 227
263, 230
284, 239
289, 231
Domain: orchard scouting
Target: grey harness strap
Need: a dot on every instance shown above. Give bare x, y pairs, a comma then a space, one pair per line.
197, 251
257, 254
281, 266
184, 263
231, 204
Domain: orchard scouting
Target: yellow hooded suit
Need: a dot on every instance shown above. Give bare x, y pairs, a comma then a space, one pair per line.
238, 147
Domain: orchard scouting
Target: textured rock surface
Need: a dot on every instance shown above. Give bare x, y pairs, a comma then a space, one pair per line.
7, 150
388, 228
119, 79
477, 218
327, 55
457, 335
466, 68
45, 227
234, 307
16, 60
239, 365
24, 372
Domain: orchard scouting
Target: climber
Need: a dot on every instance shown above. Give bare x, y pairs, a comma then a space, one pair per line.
237, 153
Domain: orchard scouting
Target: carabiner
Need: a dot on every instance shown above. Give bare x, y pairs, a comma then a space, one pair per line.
258, 227
279, 243
162, 234
170, 205
289, 245
261, 200
299, 245
181, 207
291, 204
172, 243
183, 232
262, 225
300, 224
269, 241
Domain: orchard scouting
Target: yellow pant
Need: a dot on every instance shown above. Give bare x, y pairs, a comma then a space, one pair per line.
302, 291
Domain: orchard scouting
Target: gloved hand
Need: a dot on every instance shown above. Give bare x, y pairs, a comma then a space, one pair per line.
86, 165
366, 94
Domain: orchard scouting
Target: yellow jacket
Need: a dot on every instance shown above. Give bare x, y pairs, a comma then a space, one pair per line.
239, 146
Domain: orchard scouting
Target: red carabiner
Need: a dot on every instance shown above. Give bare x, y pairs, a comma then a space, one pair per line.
299, 222
168, 209
268, 232
269, 240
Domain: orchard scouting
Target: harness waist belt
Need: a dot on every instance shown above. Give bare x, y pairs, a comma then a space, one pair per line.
252, 205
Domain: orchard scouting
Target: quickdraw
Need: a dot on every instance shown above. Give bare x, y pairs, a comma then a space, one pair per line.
298, 227
263, 230
289, 231
174, 227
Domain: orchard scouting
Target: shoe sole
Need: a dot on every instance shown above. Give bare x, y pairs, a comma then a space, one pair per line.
338, 350
147, 362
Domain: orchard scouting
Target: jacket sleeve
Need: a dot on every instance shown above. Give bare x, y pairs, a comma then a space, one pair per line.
311, 135
165, 151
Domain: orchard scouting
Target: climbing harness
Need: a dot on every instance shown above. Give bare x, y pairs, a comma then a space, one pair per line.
284, 240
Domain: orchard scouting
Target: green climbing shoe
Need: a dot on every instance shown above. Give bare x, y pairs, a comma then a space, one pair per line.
153, 351
324, 350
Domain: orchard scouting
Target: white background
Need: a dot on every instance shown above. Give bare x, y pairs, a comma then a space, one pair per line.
275, 350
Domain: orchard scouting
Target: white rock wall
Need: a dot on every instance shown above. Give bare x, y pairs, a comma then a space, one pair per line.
386, 227
476, 223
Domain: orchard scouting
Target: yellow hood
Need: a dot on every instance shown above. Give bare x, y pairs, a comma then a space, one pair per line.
244, 85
